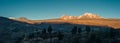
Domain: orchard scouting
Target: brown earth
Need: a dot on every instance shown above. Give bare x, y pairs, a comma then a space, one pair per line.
115, 23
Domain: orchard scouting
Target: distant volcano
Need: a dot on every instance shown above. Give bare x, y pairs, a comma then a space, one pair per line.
91, 16
84, 16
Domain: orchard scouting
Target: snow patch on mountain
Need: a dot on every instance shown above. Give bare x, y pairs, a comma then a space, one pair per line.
66, 17
90, 15
11, 17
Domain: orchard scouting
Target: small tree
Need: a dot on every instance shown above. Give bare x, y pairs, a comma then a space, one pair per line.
44, 31
112, 33
87, 29
31, 36
79, 30
35, 30
19, 40
50, 31
60, 35
36, 33
97, 40
92, 38
74, 30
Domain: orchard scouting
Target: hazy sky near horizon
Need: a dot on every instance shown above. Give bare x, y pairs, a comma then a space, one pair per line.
46, 9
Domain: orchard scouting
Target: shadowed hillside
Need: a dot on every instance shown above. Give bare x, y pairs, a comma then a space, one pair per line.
57, 31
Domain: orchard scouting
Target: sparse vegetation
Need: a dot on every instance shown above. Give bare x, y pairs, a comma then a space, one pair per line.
20, 32
61, 37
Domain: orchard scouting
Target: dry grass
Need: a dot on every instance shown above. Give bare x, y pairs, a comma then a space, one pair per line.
115, 23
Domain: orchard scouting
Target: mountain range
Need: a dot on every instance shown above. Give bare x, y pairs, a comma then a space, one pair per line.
86, 19
14, 28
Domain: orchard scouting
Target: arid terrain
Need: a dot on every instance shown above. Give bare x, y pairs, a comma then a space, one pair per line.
88, 28
86, 19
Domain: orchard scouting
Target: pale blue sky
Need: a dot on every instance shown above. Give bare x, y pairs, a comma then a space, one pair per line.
46, 9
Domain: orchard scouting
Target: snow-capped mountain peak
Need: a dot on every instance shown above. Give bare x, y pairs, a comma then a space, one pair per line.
66, 17
11, 17
90, 15
84, 16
